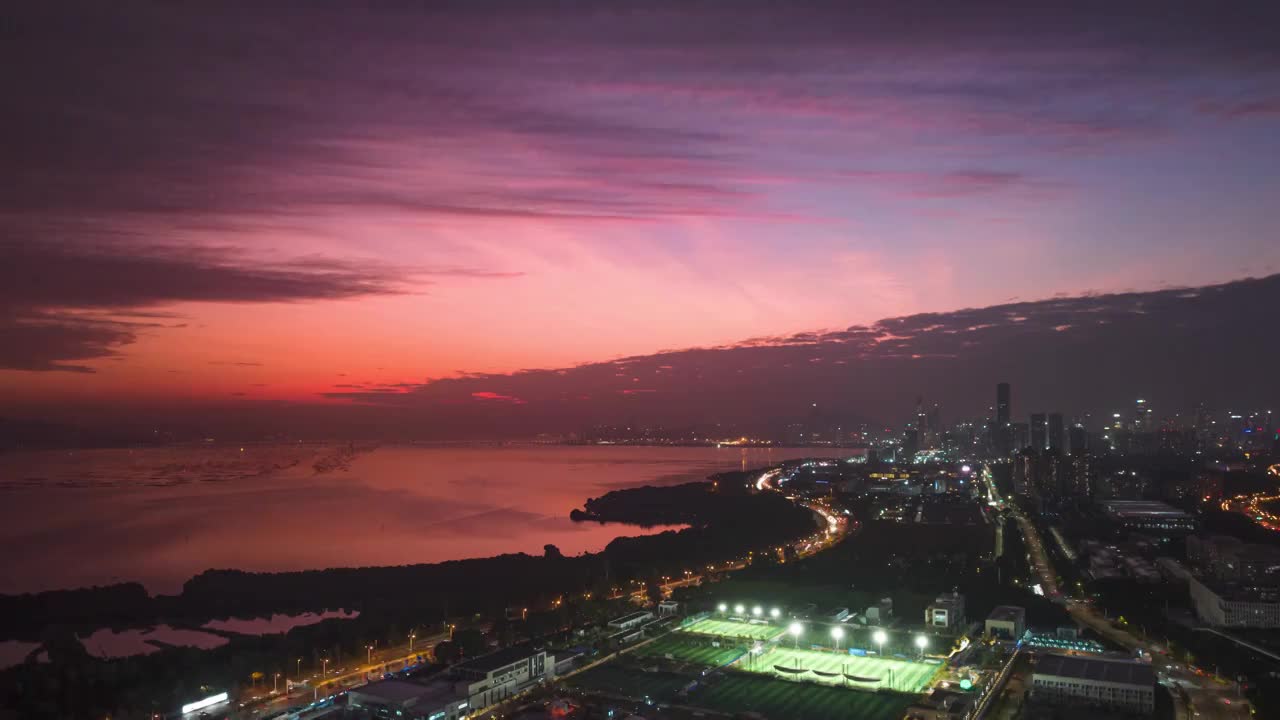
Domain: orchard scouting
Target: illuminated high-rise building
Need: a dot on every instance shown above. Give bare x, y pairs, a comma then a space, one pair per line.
1142, 417
1055, 432
1039, 431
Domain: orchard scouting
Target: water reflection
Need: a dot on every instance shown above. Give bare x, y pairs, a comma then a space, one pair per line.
159, 516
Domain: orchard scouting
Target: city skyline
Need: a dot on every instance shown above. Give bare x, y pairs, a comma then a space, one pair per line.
1087, 356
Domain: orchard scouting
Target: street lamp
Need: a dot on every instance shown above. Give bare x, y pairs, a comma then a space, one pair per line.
275, 684
837, 634
795, 629
922, 642
368, 657
757, 611
411, 637
775, 613
880, 637
324, 667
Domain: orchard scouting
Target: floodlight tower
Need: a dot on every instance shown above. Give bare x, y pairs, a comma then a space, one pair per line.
880, 637
837, 634
775, 613
796, 629
922, 642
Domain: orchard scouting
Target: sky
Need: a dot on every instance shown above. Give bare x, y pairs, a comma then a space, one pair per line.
301, 207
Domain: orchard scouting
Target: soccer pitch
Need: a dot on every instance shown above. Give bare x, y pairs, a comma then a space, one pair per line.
734, 629
831, 668
781, 700
693, 649
626, 682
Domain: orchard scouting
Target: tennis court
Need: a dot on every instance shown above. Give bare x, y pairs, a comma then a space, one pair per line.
781, 700
828, 668
734, 629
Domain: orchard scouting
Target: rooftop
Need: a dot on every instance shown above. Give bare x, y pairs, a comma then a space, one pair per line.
1142, 509
1007, 612
402, 691
631, 617
1265, 592
1127, 672
502, 658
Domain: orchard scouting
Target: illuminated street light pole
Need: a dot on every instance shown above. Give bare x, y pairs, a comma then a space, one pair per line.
739, 610
368, 657
880, 637
722, 608
775, 613
757, 611
922, 642
837, 634
411, 637
795, 629
275, 684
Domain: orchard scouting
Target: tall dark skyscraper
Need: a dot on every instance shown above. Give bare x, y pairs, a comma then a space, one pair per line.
1003, 405
1039, 431
1002, 431
1055, 431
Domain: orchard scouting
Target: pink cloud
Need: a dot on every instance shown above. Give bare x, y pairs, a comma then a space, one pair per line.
498, 397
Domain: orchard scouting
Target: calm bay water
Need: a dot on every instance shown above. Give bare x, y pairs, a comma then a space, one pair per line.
159, 516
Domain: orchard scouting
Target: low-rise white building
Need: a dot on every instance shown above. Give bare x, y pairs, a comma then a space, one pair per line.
466, 688
946, 611
495, 677
1117, 684
1235, 604
631, 620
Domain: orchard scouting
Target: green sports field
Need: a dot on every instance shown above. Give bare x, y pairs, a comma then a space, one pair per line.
781, 700
889, 673
734, 629
693, 649
612, 679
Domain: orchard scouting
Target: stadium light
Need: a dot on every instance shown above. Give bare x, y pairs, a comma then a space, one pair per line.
757, 611
837, 634
795, 629
922, 642
723, 608
738, 610
775, 613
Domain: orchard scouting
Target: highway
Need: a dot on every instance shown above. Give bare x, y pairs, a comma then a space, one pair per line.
336, 679
837, 528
